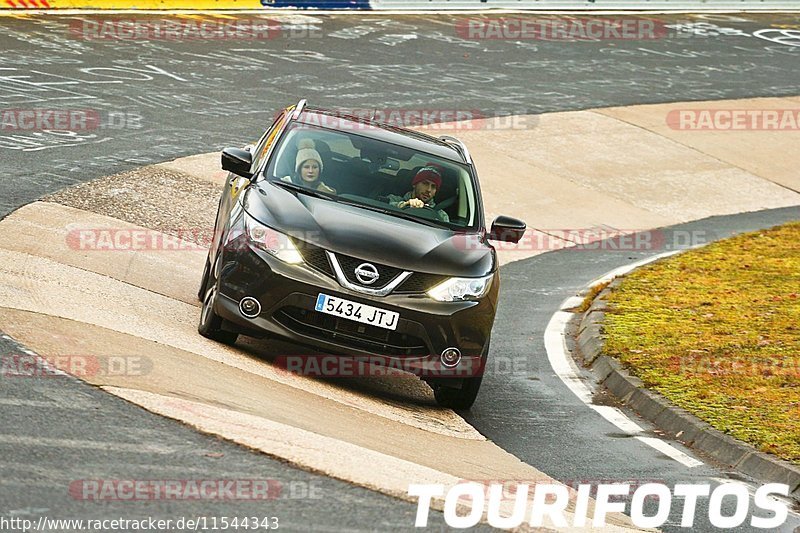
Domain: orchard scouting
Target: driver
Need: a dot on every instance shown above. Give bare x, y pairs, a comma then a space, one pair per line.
424, 187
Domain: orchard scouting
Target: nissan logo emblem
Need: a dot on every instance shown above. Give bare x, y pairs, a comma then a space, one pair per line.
367, 273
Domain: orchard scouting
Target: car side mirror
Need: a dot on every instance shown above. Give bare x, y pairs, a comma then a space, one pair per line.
237, 161
507, 229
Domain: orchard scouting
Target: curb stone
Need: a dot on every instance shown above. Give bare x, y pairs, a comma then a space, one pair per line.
589, 334
676, 422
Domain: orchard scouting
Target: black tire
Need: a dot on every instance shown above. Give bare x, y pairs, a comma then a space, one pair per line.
201, 292
210, 325
458, 399
464, 397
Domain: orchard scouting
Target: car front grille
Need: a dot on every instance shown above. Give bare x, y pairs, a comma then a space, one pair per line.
349, 265
342, 331
317, 258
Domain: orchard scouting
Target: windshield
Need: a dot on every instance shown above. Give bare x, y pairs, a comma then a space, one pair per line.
376, 175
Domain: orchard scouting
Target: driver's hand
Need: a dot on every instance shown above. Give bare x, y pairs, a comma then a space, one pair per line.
415, 202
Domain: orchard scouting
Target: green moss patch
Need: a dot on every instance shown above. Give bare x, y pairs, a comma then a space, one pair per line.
717, 331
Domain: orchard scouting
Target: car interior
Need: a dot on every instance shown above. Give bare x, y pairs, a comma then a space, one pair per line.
360, 169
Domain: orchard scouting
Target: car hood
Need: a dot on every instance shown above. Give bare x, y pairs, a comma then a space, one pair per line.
369, 235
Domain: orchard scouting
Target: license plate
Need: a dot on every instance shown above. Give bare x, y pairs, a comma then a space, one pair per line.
366, 314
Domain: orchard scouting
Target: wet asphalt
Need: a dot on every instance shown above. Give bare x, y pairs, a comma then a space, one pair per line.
160, 99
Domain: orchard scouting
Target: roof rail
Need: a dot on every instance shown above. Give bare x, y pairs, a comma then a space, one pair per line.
459, 145
298, 109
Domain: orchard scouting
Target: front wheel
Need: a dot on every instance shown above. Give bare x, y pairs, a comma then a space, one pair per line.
464, 397
201, 292
210, 325
458, 399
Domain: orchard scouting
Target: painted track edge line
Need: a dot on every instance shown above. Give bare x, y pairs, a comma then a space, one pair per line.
559, 358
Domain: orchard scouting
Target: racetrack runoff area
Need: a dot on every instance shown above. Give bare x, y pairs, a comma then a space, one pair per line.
571, 176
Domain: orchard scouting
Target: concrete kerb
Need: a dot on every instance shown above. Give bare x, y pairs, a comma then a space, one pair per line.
677, 423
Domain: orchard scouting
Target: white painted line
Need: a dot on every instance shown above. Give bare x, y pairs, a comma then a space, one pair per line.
618, 418
558, 355
559, 360
671, 451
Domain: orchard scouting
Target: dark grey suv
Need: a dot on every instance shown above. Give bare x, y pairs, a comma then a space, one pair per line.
362, 240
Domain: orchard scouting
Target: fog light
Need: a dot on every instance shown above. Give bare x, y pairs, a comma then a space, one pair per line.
249, 307
451, 357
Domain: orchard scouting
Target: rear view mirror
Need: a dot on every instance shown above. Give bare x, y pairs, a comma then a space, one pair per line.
507, 229
237, 161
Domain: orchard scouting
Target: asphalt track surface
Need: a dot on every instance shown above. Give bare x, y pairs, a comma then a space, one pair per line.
191, 97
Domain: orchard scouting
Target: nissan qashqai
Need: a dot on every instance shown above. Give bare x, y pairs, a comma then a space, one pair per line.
361, 240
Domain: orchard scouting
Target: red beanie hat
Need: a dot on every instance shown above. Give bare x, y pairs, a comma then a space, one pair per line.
428, 172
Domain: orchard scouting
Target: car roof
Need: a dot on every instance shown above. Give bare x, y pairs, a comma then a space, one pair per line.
414, 140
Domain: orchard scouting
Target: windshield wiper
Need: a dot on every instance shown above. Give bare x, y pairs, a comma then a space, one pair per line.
301, 189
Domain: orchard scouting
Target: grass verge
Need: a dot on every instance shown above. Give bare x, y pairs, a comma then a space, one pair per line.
590, 296
717, 331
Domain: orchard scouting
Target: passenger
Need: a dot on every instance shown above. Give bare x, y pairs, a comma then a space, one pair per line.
308, 167
424, 187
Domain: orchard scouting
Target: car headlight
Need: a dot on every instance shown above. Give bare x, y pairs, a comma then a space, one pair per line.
272, 242
455, 289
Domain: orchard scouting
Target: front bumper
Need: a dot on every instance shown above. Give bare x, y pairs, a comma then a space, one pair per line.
288, 293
